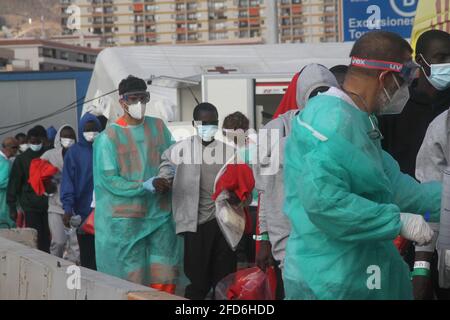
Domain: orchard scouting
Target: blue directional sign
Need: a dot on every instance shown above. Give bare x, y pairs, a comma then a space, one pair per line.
361, 16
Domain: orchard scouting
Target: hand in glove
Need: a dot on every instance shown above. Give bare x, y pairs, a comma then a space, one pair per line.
415, 228
148, 185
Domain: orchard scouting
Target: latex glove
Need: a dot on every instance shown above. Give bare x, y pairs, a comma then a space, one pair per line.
432, 245
148, 185
415, 228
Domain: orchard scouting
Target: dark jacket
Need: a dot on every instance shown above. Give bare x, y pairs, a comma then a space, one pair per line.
404, 133
77, 184
19, 190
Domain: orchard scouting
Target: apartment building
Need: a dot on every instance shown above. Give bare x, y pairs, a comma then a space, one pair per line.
309, 21
44, 55
6, 60
148, 22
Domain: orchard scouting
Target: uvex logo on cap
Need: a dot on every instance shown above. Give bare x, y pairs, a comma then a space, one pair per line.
377, 64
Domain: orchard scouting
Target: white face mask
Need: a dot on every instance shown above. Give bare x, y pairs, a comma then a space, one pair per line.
137, 110
207, 132
36, 147
395, 104
439, 75
90, 136
67, 142
23, 147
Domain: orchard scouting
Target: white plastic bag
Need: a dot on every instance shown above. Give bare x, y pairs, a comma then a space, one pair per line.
231, 219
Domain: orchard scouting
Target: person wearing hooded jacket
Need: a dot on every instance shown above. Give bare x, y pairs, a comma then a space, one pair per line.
77, 185
273, 224
21, 193
64, 138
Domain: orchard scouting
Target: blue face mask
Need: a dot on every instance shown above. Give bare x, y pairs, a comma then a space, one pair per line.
207, 132
36, 147
439, 75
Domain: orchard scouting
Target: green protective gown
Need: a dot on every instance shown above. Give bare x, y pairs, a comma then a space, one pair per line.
134, 229
5, 169
343, 198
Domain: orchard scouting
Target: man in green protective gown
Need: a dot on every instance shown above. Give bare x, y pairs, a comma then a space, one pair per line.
134, 230
346, 198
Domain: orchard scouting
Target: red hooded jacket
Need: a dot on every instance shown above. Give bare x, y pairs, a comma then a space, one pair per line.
289, 101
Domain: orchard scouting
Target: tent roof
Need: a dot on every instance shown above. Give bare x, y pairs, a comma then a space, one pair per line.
114, 64
187, 61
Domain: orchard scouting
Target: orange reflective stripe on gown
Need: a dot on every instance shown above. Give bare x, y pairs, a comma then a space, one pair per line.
169, 288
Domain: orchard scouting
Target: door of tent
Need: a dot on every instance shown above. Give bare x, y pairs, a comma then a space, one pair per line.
256, 96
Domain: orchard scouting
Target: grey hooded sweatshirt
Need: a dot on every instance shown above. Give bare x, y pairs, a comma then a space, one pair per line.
432, 158
270, 186
185, 177
55, 157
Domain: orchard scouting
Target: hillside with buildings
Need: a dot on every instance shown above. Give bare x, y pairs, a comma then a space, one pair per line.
16, 15
142, 22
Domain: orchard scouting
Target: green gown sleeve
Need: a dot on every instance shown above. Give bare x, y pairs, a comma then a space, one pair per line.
334, 209
4, 175
410, 195
107, 169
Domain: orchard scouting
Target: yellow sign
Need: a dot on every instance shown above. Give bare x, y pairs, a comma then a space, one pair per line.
431, 14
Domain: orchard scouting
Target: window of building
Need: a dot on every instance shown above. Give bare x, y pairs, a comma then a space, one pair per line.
192, 6
64, 55
255, 33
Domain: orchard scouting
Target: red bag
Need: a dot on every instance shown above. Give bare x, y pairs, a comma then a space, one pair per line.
401, 244
248, 284
88, 224
40, 171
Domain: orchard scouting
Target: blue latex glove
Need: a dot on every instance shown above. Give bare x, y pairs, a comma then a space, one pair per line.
148, 185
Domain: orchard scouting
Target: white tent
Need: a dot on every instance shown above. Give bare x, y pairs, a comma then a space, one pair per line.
115, 64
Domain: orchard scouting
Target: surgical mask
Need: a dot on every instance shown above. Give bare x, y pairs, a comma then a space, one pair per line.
23, 147
207, 132
36, 147
439, 75
395, 103
67, 142
137, 110
90, 136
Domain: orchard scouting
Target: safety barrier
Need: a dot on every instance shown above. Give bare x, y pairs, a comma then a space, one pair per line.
27, 273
